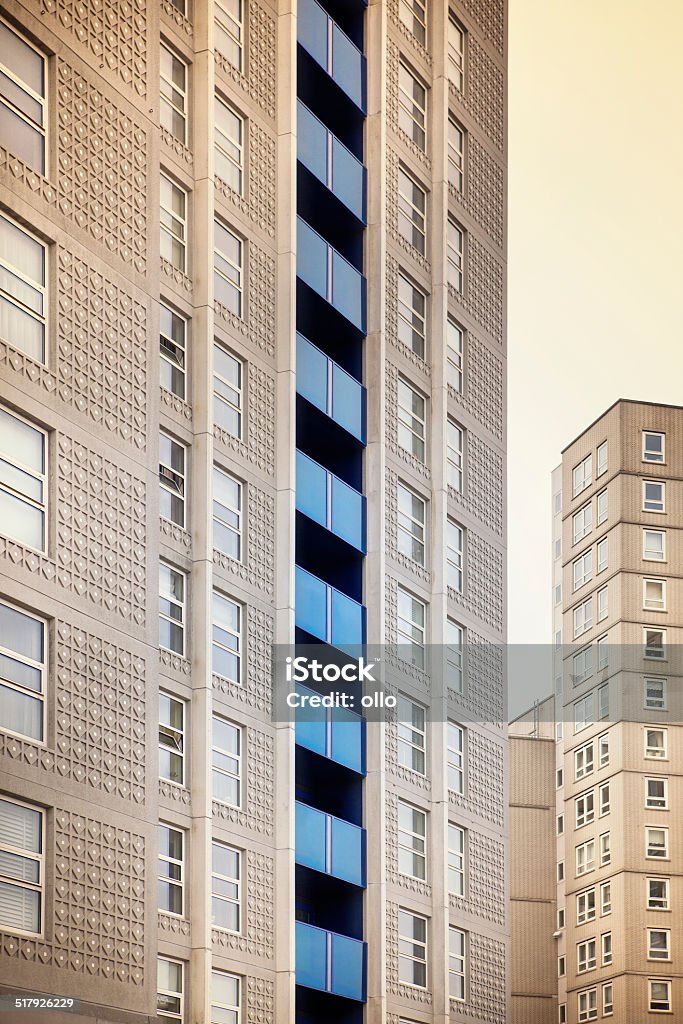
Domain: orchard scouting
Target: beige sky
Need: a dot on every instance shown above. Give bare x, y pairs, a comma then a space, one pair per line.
595, 235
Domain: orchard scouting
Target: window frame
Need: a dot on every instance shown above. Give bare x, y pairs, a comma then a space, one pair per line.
456, 378
238, 512
411, 212
182, 604
601, 464
582, 475
459, 764
168, 475
42, 667
218, 596
239, 268
646, 451
411, 10
652, 752
167, 859
217, 769
404, 637
239, 389
657, 803
167, 101
405, 741
658, 903
586, 512
419, 441
42, 288
37, 857
237, 881
661, 702
582, 617
409, 840
456, 859
412, 105
649, 557
586, 955
590, 1012
456, 255
409, 314
168, 230
239, 144
455, 455
221, 13
43, 479
42, 100
582, 569
652, 1008
652, 949
455, 556
586, 906
413, 942
164, 355
457, 964
585, 863
179, 1017
456, 54
650, 648
659, 502
649, 845
659, 606
178, 751
416, 531
456, 154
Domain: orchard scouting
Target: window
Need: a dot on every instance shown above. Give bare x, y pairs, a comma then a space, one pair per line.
456, 154
584, 807
585, 906
607, 999
656, 793
653, 496
456, 757
582, 568
582, 666
23, 85
412, 107
455, 359
414, 16
560, 824
229, 146
657, 893
172, 458
455, 543
457, 948
171, 869
602, 555
455, 255
454, 455
230, 30
588, 1004
455, 655
655, 693
605, 899
23, 672
583, 761
582, 475
604, 799
603, 702
654, 545
559, 778
23, 284
21, 867
173, 223
653, 446
456, 54
659, 994
456, 860
225, 887
658, 944
606, 948
561, 918
226, 645
226, 998
583, 712
585, 857
654, 595
226, 761
583, 617
227, 514
656, 842
173, 101
558, 593
228, 256
171, 609
412, 211
561, 966
603, 606
586, 959
562, 1014
23, 481
412, 316
412, 735
170, 989
412, 408
655, 641
228, 374
173, 351
412, 615
412, 841
605, 849
412, 949
411, 524
601, 459
560, 871
603, 652
655, 743
582, 523
171, 739
602, 509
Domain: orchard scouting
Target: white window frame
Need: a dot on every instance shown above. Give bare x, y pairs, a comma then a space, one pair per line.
233, 901
601, 459
457, 141
584, 808
660, 1005
586, 955
457, 859
656, 506
412, 735
412, 105
177, 365
225, 22
411, 528
651, 702
455, 355
41, 99
42, 479
224, 150
601, 555
406, 942
218, 597
606, 949
587, 1003
219, 757
455, 556
662, 902
40, 667
585, 857
582, 617
652, 949
456, 756
582, 569
455, 455
654, 802
237, 511
412, 422
583, 712
36, 857
650, 454
604, 799
602, 507
602, 601
456, 242
176, 234
582, 475
608, 999
649, 554
656, 752
654, 652
416, 217
605, 898
582, 522
582, 665
605, 849
457, 964
412, 315
410, 631
218, 396
41, 288
411, 843
456, 53
237, 268
174, 481
175, 740
584, 761
650, 604
413, 14
652, 846
177, 1016
173, 863
167, 595
586, 908
455, 655
167, 99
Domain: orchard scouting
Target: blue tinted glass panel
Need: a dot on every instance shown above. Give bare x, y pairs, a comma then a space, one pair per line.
311, 258
311, 837
347, 740
347, 290
312, 30
347, 401
311, 956
311, 489
347, 967
348, 620
347, 513
347, 65
311, 727
347, 851
311, 373
347, 178
311, 604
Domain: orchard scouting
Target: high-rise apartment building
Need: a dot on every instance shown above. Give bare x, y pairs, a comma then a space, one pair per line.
252, 363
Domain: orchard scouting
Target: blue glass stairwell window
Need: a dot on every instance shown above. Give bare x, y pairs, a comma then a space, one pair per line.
330, 161
327, 613
330, 962
335, 733
329, 844
332, 49
330, 388
330, 275
327, 500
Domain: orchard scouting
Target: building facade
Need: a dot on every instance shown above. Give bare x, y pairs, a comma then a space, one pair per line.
252, 373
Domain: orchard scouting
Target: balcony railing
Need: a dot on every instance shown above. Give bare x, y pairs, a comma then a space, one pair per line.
327, 613
330, 845
328, 387
329, 274
334, 733
330, 962
332, 49
327, 500
330, 161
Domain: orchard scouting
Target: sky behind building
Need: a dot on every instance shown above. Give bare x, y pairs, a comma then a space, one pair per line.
595, 218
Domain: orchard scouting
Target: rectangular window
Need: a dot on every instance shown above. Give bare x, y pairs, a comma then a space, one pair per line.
170, 989
586, 956
657, 893
588, 1004
653, 496
655, 643
173, 223
582, 523
229, 146
227, 514
172, 471
412, 735
226, 998
172, 587
583, 712
456, 758
412, 316
456, 54
601, 503
655, 743
410, 535
605, 899
583, 617
455, 655
601, 459
654, 545
455, 554
562, 1014
23, 672
603, 603
226, 761
607, 999
413, 15
655, 693
412, 949
659, 995
412, 107
455, 255
457, 952
412, 211
171, 870
560, 871
226, 885
602, 555
456, 154
658, 944
561, 918
559, 824
230, 30
23, 98
582, 666
584, 807
605, 846
656, 793
228, 268
456, 860
656, 843
582, 569
561, 966
23, 283
412, 414
228, 374
173, 351
654, 595
173, 100
21, 868
412, 616
583, 761
23, 481
226, 638
602, 645
604, 799
582, 475
171, 739
585, 857
455, 355
585, 906
455, 445
606, 948
412, 841
653, 446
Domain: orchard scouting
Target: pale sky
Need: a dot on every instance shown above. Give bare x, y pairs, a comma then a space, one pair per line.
594, 257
